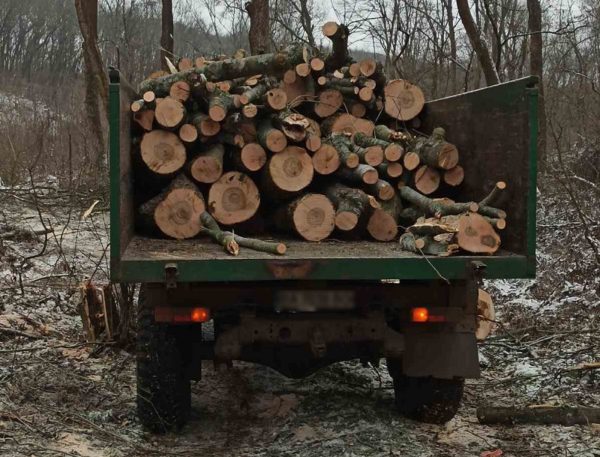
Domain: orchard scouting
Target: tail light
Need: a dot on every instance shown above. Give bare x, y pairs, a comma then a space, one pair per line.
181, 315
422, 314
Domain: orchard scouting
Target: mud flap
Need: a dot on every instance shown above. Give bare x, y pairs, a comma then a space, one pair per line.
441, 355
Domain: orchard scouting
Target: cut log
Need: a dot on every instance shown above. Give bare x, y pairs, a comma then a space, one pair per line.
180, 90
273, 63
276, 99
234, 198
176, 211
486, 315
254, 94
348, 124
294, 125
288, 172
250, 158
411, 161
366, 94
162, 152
455, 176
344, 148
409, 242
169, 113
362, 174
250, 111
354, 69
313, 142
303, 69
326, 160
185, 63
219, 105
385, 133
403, 100
498, 224
300, 90
188, 133
392, 151
338, 34
311, 216
383, 223
383, 190
271, 138
390, 170
330, 101
437, 208
207, 166
351, 206
435, 151
495, 195
289, 77
476, 235
494, 213
427, 180
562, 415
355, 108
372, 155
238, 126
205, 125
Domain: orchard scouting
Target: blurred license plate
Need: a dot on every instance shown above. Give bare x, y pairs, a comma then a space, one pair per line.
313, 300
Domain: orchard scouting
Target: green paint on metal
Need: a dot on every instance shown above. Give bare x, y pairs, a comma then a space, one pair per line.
217, 270
115, 172
532, 196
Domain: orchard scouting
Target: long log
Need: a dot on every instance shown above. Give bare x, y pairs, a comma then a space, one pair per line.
162, 152
176, 211
274, 63
392, 151
391, 170
207, 166
311, 216
338, 34
433, 207
496, 193
233, 198
562, 415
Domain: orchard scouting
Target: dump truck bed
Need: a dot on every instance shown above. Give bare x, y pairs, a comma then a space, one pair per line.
495, 130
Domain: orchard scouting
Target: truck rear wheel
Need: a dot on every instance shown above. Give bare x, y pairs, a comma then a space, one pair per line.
425, 399
163, 386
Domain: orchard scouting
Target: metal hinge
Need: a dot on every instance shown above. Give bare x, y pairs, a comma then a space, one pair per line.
171, 275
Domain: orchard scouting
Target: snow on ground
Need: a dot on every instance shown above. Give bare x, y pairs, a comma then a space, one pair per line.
59, 396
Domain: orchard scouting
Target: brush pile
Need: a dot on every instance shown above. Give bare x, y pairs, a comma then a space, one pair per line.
301, 143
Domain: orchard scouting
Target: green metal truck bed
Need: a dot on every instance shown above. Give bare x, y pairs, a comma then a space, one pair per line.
495, 130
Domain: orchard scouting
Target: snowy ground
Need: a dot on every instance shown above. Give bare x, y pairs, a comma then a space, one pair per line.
59, 396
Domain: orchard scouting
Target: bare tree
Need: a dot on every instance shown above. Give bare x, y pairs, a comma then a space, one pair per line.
478, 43
166, 36
95, 76
260, 26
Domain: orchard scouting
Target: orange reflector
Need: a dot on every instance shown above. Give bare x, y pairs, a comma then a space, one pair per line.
420, 315
200, 315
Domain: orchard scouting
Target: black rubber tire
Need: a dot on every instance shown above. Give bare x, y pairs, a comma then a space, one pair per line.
426, 399
163, 387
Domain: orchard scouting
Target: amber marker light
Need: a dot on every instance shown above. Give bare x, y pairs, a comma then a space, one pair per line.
420, 315
200, 315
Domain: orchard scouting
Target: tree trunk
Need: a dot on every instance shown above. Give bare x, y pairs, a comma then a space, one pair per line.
536, 66
478, 43
260, 26
166, 35
95, 78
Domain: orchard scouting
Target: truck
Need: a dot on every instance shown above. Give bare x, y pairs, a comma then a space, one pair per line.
328, 302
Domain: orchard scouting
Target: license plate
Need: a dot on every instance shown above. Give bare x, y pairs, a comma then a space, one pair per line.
314, 300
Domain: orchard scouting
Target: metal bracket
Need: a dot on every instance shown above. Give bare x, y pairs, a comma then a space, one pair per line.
171, 275
477, 270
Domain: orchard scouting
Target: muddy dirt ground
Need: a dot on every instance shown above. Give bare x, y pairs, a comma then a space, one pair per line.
62, 397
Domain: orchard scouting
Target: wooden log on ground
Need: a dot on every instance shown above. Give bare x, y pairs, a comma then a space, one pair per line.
476, 235
287, 173
496, 193
351, 206
176, 211
362, 174
162, 152
207, 166
233, 198
427, 180
326, 160
311, 216
169, 113
546, 415
383, 223
271, 138
435, 151
437, 208
403, 100
454, 176
338, 34
227, 69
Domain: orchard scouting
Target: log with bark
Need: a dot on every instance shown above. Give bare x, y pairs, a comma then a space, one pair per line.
351, 206
311, 216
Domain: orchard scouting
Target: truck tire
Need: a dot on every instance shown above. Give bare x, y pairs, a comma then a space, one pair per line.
163, 386
425, 399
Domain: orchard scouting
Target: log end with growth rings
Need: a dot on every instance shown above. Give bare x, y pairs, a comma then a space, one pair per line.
162, 152
314, 217
291, 170
403, 100
178, 215
234, 198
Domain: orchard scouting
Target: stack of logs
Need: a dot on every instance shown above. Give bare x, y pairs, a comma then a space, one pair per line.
299, 143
